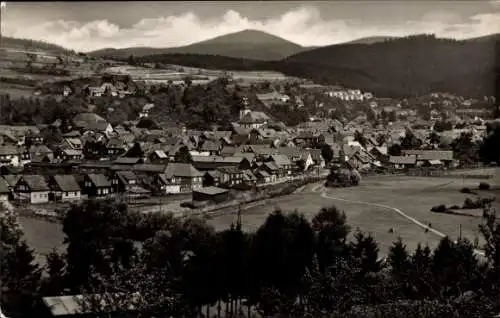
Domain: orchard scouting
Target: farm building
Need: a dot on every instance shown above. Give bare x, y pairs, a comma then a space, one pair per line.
212, 194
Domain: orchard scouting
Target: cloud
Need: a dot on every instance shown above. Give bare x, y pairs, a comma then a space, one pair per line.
303, 25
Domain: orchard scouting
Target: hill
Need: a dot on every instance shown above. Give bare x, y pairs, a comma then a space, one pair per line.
416, 64
32, 45
248, 44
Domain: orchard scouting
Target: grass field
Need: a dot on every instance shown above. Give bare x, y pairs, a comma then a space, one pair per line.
413, 195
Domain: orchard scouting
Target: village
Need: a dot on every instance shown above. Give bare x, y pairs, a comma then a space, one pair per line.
97, 160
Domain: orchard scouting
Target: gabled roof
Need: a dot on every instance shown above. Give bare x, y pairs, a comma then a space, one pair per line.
126, 175
12, 179
35, 182
408, 160
431, 154
182, 170
8, 150
99, 180
281, 160
66, 182
271, 165
229, 170
4, 186
218, 159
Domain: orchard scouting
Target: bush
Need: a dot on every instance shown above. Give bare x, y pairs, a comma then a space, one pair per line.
465, 190
470, 204
439, 208
484, 186
477, 204
454, 207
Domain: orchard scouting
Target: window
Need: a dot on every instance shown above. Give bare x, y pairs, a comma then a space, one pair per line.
66, 194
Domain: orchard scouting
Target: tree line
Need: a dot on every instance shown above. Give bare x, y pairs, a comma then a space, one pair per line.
289, 267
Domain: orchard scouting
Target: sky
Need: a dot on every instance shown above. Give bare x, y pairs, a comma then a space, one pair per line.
87, 26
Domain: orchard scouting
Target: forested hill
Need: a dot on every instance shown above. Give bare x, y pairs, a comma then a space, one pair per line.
417, 64
15, 43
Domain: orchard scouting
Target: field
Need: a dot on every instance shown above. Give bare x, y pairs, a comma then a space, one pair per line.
412, 195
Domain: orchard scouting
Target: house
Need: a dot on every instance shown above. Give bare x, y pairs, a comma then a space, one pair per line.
211, 194
230, 176
71, 154
205, 163
403, 162
264, 176
4, 190
116, 147
32, 188
91, 122
159, 156
41, 151
211, 147
272, 98
10, 155
96, 185
253, 119
146, 109
180, 178
283, 163
64, 188
211, 178
127, 181
424, 157
317, 157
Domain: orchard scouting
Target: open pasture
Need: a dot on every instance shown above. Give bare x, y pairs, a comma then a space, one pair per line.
415, 196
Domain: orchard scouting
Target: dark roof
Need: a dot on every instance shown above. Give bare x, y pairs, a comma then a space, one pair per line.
35, 182
8, 150
403, 159
150, 167
229, 170
127, 161
271, 165
228, 151
211, 190
431, 154
217, 159
126, 175
210, 145
99, 180
181, 170
316, 154
66, 182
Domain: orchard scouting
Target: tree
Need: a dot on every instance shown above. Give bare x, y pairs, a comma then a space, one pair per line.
327, 152
465, 149
358, 136
98, 240
331, 230
183, 155
365, 250
434, 138
131, 60
399, 259
19, 274
409, 141
54, 284
395, 150
489, 150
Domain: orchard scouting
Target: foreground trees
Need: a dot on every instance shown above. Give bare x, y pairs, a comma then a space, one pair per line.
289, 267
